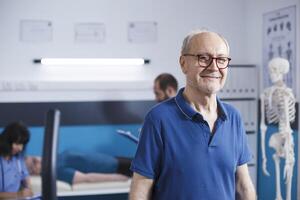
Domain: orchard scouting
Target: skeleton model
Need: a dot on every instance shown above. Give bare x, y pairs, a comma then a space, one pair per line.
278, 103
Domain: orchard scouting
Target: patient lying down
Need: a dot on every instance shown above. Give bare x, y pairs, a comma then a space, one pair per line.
76, 167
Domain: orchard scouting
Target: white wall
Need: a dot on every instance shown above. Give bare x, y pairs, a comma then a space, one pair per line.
175, 19
254, 23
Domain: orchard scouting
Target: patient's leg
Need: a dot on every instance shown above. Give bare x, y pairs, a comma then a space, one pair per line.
80, 177
90, 163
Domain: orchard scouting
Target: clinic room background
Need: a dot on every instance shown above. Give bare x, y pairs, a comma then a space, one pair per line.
96, 101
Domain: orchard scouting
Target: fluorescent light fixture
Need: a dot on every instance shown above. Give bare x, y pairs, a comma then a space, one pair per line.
92, 61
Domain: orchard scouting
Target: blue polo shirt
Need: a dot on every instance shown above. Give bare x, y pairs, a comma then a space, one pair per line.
176, 149
13, 172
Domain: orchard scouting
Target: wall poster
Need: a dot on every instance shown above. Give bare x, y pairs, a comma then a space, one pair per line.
279, 40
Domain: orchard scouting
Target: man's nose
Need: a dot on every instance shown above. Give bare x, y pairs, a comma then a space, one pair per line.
213, 65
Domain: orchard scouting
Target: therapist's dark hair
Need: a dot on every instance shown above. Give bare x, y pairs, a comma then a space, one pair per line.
166, 80
5, 147
16, 132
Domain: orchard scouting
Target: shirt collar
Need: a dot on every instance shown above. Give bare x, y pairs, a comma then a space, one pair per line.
190, 113
223, 114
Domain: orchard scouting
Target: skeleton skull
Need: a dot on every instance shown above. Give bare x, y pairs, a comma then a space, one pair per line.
277, 68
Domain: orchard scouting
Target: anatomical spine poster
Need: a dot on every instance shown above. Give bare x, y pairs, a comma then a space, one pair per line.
279, 40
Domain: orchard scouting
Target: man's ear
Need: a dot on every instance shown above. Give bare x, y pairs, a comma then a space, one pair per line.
170, 91
182, 64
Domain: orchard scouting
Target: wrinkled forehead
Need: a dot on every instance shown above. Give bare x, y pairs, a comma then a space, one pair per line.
208, 43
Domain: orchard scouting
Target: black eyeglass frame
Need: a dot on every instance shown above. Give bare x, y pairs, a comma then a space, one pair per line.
212, 59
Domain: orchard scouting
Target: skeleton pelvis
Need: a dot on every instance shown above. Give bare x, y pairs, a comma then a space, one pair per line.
276, 142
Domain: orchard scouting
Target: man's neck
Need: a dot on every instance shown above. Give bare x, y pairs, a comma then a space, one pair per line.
201, 102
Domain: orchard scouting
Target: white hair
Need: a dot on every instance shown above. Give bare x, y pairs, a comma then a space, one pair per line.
186, 42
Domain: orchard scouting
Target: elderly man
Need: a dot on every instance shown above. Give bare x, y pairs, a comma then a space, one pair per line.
165, 87
194, 146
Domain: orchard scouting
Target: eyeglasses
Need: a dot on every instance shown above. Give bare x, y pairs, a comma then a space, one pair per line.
206, 60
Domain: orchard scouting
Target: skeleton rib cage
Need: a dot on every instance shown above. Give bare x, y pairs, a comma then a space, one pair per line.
275, 106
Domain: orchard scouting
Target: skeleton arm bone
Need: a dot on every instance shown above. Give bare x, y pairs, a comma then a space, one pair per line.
263, 129
288, 145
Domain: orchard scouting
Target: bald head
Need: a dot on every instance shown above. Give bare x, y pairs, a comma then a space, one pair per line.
188, 40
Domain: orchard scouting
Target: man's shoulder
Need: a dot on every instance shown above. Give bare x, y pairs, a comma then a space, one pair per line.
230, 109
162, 109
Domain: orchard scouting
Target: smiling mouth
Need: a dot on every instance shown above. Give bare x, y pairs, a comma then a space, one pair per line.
215, 77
